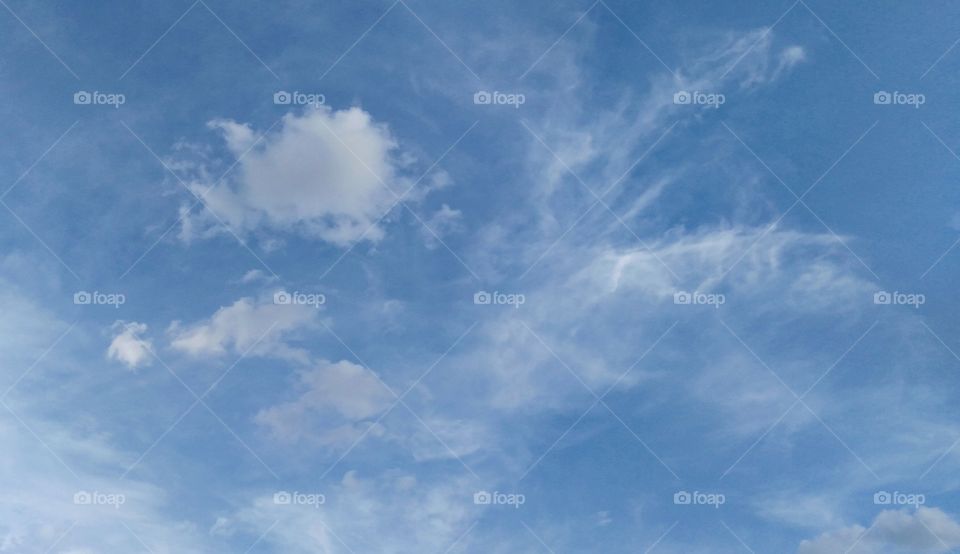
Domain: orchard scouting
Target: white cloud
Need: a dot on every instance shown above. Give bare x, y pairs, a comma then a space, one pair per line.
257, 276
757, 61
37, 507
792, 56
255, 327
840, 540
602, 146
440, 438
325, 173
926, 530
76, 451
445, 220
335, 398
603, 285
391, 513
701, 259
800, 508
222, 527
127, 345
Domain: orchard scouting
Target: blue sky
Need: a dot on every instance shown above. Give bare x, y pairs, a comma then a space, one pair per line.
407, 276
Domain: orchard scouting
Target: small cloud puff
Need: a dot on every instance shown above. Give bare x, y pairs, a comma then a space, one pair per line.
127, 347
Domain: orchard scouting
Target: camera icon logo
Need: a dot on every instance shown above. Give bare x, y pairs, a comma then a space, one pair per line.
282, 97
882, 97
282, 297
682, 498
82, 297
882, 498
682, 97
482, 498
482, 97
282, 497
682, 297
482, 297
882, 297
83, 498
82, 97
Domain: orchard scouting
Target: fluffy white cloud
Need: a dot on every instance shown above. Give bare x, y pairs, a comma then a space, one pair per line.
127, 345
926, 530
253, 326
344, 390
324, 173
